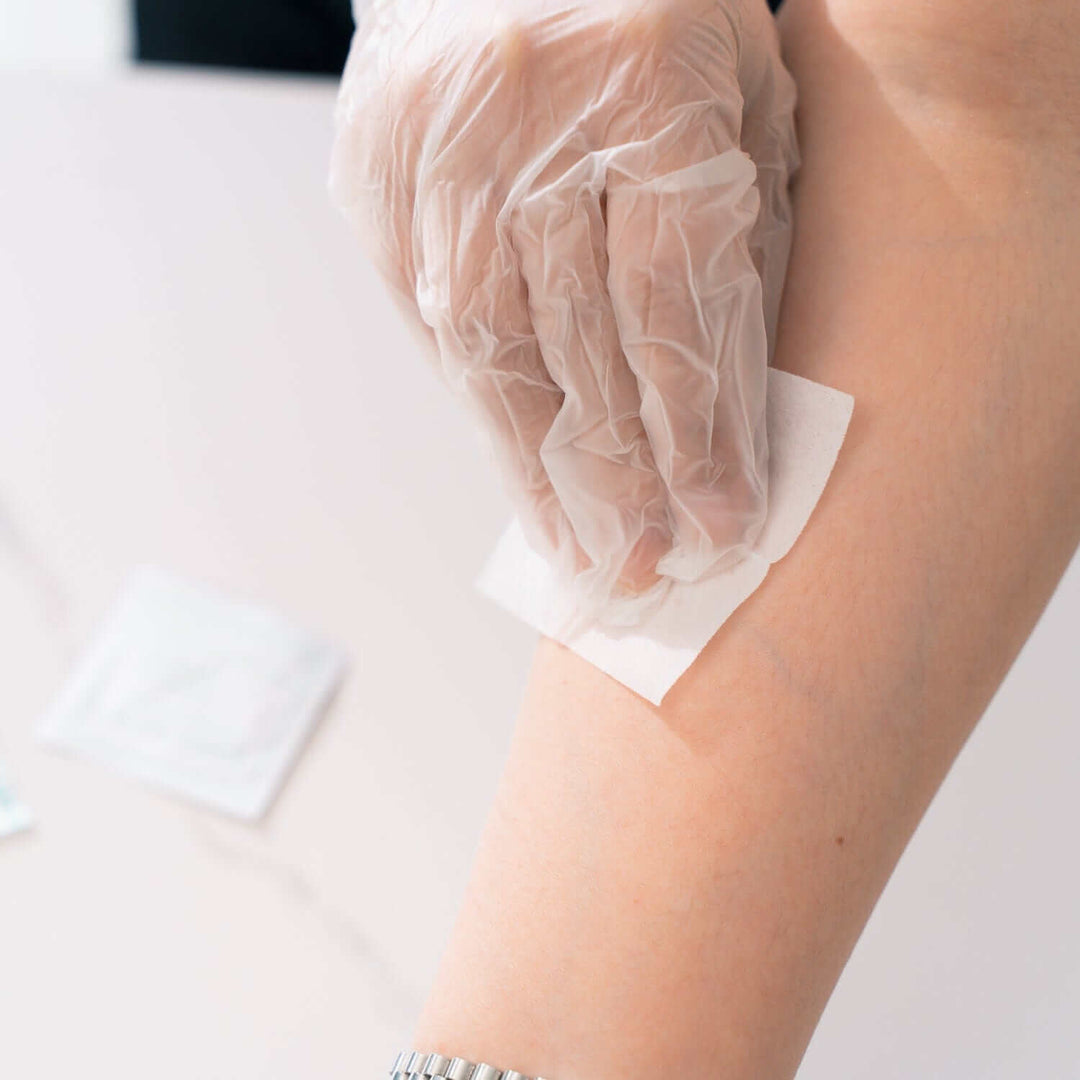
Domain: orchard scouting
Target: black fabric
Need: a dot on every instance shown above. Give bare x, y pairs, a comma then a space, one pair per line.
271, 35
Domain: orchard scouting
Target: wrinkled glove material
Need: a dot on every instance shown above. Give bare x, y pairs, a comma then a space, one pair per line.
582, 209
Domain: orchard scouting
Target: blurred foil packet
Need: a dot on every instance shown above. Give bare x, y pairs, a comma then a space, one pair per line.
205, 695
15, 816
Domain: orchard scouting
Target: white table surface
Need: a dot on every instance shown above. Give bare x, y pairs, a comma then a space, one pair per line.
199, 370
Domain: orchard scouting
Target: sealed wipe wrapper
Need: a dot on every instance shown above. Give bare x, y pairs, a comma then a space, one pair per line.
582, 209
15, 815
206, 695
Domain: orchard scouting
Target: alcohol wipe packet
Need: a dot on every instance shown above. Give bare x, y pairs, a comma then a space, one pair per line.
15, 816
206, 696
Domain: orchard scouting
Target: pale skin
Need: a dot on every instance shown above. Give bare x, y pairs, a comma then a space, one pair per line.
675, 890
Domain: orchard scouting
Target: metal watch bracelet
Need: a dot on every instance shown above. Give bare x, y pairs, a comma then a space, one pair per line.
413, 1065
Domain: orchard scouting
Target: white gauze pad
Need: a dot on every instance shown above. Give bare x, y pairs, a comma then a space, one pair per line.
207, 696
806, 424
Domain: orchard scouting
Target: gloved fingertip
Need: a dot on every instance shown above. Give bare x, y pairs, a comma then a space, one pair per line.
650, 24
638, 573
513, 45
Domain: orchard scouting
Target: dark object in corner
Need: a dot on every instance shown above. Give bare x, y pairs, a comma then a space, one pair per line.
269, 35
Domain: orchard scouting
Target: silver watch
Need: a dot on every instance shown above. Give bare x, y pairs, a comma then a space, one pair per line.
412, 1065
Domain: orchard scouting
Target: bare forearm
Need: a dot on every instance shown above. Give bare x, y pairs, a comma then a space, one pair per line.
672, 890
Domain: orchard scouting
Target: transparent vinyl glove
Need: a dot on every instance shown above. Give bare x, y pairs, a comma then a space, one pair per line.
582, 208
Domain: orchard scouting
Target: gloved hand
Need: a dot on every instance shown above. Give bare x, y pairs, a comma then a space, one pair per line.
583, 208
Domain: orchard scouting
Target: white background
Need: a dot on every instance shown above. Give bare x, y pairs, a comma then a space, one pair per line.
83, 34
